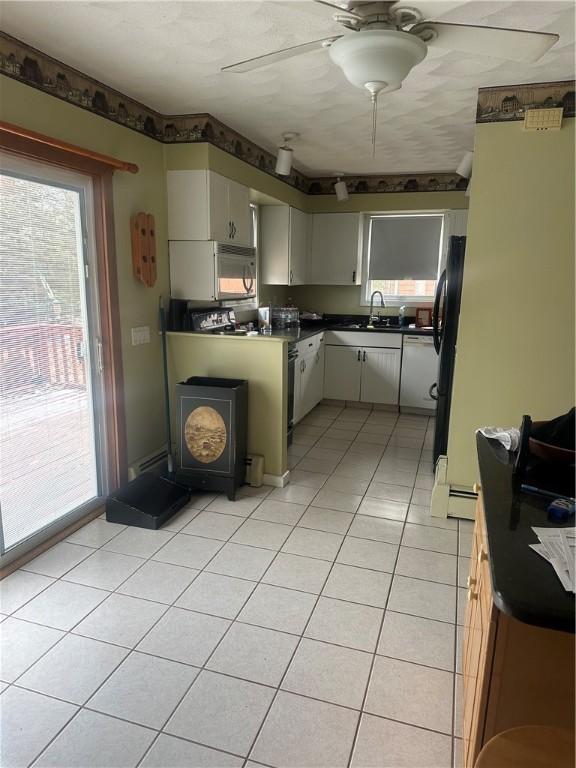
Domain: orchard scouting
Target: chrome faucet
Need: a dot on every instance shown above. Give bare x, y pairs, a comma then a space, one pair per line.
371, 316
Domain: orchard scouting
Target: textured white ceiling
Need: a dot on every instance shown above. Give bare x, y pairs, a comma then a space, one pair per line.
168, 55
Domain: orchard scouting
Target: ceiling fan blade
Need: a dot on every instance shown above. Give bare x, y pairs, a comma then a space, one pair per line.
272, 58
512, 44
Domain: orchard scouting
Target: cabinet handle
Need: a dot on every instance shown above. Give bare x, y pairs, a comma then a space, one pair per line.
482, 556
354, 276
291, 276
364, 357
472, 595
359, 355
230, 230
233, 230
470, 582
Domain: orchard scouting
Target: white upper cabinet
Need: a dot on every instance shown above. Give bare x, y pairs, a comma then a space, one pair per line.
239, 213
203, 205
284, 245
336, 249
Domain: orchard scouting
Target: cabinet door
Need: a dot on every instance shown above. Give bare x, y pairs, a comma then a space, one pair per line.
239, 213
342, 369
299, 247
220, 228
335, 249
274, 244
308, 383
188, 205
380, 375
298, 394
317, 384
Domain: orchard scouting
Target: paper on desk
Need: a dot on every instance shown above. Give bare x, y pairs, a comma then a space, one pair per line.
558, 547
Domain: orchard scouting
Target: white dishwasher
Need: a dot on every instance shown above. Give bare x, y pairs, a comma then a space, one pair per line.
419, 372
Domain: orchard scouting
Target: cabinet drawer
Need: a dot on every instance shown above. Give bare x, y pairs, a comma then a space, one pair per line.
364, 339
311, 344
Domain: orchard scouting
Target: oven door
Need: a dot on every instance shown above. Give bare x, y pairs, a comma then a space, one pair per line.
235, 276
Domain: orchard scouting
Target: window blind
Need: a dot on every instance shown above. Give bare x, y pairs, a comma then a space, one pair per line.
47, 447
404, 247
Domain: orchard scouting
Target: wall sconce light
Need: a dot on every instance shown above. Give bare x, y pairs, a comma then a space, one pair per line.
341, 189
285, 154
465, 165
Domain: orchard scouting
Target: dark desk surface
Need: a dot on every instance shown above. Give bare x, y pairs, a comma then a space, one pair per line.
525, 585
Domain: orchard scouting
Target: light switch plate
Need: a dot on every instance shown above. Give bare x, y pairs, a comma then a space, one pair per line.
141, 335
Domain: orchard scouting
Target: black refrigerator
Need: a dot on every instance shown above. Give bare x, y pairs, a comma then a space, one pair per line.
445, 332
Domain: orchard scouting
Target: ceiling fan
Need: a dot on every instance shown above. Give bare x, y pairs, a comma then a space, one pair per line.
391, 38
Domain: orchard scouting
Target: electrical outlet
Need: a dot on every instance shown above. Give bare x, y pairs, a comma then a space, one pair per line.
141, 335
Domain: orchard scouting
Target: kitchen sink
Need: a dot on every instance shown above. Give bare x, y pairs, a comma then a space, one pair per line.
360, 327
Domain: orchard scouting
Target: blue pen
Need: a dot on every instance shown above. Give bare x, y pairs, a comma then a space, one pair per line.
548, 494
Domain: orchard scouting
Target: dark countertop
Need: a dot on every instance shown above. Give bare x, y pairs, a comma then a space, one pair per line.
525, 586
305, 331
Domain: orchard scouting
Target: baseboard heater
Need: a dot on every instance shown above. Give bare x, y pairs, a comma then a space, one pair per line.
155, 461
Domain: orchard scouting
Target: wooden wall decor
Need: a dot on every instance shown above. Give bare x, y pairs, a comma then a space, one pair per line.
144, 248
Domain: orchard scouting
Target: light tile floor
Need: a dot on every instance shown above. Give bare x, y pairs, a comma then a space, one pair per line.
313, 625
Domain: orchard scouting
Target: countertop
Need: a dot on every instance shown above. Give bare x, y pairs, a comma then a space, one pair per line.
305, 332
524, 585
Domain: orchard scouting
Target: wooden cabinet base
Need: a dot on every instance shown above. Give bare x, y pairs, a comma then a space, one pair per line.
514, 674
529, 747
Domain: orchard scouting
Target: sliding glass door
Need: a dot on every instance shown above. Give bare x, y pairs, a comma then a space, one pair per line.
52, 440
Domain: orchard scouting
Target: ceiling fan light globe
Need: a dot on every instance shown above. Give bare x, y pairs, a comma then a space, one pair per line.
284, 161
377, 55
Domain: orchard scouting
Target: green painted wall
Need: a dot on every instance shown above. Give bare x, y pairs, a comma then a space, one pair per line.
263, 362
144, 191
516, 336
378, 203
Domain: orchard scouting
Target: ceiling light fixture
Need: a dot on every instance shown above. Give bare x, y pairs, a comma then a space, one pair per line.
285, 154
378, 60
341, 189
465, 165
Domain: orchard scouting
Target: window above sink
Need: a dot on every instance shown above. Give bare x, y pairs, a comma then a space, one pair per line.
402, 256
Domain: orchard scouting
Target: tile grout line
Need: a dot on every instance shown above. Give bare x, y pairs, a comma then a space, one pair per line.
278, 688
371, 672
277, 551
130, 651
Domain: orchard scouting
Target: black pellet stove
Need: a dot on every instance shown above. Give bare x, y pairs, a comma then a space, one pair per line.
212, 423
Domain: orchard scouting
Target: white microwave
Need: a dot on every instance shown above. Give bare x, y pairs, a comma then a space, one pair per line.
204, 270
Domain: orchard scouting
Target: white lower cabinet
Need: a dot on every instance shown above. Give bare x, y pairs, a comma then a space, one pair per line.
380, 378
342, 370
362, 374
309, 376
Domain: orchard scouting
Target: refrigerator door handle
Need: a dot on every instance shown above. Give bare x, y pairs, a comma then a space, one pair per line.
431, 391
436, 329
